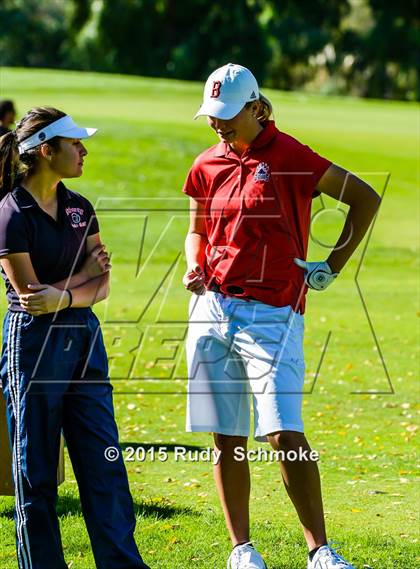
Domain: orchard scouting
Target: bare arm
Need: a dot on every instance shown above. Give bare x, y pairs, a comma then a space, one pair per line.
95, 289
96, 261
195, 247
86, 290
20, 272
91, 292
196, 240
364, 203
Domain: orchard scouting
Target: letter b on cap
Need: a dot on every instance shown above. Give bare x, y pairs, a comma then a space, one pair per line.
215, 92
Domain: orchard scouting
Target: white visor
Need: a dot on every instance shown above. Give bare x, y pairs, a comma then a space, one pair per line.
65, 127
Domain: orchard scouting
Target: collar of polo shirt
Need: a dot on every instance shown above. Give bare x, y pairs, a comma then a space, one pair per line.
25, 199
65, 127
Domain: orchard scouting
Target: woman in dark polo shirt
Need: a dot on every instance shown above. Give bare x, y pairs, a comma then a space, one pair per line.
54, 366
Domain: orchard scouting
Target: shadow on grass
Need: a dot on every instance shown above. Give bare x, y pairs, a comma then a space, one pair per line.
161, 510
157, 508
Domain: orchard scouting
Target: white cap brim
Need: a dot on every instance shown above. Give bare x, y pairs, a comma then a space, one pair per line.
220, 110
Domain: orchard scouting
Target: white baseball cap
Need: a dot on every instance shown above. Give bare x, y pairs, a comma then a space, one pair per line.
227, 90
65, 127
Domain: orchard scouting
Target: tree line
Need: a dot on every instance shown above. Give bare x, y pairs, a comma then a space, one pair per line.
367, 48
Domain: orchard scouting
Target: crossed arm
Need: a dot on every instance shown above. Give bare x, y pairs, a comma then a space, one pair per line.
89, 286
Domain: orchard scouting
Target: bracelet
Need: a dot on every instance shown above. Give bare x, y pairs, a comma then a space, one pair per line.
71, 297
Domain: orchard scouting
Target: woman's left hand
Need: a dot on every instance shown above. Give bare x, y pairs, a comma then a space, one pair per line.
44, 299
318, 275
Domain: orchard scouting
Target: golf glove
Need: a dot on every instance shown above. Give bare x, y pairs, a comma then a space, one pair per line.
317, 275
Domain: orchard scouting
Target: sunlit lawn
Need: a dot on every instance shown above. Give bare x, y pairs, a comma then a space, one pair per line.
360, 410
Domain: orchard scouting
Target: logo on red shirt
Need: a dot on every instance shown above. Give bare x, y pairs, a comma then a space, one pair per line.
262, 172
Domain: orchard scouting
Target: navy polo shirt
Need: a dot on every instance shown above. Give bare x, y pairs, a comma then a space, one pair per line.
57, 248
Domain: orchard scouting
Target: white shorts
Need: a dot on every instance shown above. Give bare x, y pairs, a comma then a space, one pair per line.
236, 348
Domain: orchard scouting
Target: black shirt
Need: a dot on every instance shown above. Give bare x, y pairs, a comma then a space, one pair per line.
3, 130
57, 248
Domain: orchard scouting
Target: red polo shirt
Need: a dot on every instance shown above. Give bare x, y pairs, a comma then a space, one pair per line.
257, 209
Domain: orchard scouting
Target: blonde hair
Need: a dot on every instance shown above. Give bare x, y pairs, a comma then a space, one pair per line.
265, 108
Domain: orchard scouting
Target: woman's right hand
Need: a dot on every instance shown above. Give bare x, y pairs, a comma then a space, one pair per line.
193, 279
97, 262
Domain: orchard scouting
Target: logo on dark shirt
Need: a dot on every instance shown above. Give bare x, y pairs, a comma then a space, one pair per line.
75, 214
262, 172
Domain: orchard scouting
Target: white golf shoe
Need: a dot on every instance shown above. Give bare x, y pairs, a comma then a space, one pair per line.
245, 557
327, 558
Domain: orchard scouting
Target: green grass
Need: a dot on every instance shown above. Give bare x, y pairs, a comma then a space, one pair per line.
134, 173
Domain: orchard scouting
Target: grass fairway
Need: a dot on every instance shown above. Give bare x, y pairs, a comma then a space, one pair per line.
360, 411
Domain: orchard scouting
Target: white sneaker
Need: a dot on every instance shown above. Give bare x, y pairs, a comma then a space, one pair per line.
327, 558
245, 557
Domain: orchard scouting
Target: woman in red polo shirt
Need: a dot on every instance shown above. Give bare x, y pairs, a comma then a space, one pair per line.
250, 199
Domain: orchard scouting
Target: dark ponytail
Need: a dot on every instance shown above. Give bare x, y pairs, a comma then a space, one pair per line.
15, 166
9, 161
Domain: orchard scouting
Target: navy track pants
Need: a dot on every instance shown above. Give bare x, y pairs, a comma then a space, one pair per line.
54, 372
